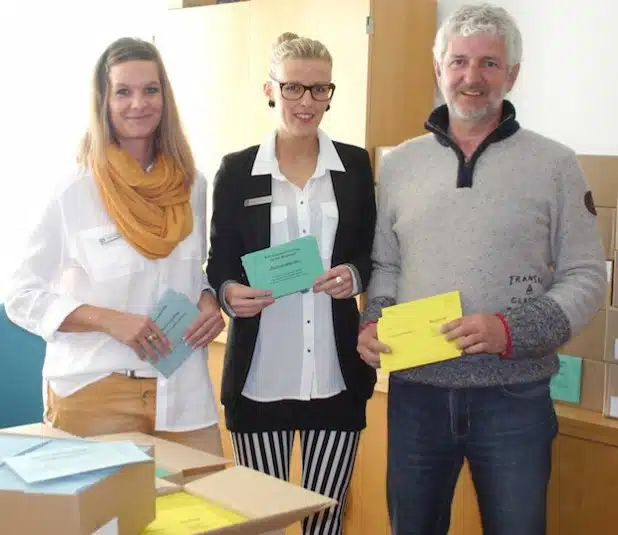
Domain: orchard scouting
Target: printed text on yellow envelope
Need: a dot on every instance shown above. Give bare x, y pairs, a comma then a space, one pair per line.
412, 331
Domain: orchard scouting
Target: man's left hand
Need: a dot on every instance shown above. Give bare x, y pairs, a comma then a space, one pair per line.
207, 325
478, 333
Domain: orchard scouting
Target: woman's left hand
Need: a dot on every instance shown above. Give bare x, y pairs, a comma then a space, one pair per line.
207, 325
336, 282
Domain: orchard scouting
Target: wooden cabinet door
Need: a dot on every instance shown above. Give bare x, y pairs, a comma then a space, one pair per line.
465, 517
367, 511
401, 79
341, 26
588, 478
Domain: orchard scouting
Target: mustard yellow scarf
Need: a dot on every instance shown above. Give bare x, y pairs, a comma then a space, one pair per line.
152, 210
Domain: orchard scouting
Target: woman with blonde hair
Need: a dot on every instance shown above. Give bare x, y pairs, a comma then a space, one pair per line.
291, 364
126, 227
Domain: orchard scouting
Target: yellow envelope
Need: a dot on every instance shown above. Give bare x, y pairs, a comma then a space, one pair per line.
428, 308
183, 514
412, 331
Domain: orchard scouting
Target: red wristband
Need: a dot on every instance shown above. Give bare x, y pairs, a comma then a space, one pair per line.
366, 324
509, 340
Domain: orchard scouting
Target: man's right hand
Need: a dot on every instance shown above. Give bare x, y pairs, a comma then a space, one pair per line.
245, 301
369, 347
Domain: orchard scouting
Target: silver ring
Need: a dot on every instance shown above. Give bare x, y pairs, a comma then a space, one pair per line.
152, 337
339, 279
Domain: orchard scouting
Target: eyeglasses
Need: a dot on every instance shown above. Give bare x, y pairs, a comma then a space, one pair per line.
294, 91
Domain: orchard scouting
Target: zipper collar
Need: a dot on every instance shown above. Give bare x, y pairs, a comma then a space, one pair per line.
438, 124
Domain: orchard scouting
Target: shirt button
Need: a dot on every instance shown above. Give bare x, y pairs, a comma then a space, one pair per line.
308, 350
304, 231
302, 202
308, 321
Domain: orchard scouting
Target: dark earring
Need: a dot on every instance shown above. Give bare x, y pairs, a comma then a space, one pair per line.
328, 107
271, 103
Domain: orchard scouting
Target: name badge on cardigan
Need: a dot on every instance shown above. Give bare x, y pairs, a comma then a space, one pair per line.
256, 201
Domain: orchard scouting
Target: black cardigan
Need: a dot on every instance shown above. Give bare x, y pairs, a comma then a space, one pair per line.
237, 229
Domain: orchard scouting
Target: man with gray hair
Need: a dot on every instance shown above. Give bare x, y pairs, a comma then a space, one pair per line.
505, 216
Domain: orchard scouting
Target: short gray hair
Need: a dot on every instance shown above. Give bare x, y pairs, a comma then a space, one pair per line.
471, 19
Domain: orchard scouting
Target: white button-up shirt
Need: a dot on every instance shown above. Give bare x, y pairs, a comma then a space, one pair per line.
295, 356
76, 256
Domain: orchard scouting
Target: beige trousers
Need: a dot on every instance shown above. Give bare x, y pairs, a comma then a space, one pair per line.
119, 404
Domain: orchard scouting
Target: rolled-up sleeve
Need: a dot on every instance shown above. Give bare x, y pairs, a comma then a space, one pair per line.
31, 301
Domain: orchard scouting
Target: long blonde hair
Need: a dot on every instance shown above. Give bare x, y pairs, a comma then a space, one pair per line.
170, 139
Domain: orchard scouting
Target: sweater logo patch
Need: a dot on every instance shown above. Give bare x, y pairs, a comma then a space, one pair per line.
589, 202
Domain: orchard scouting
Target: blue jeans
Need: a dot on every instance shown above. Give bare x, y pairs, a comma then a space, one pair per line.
505, 432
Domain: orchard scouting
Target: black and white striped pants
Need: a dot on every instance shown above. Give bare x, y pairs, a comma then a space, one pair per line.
327, 462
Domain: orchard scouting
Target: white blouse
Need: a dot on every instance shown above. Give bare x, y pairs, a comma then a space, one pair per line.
295, 356
76, 256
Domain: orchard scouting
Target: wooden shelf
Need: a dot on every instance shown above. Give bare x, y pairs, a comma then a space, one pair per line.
574, 421
587, 425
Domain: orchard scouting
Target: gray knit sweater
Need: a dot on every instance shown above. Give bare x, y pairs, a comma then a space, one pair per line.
513, 229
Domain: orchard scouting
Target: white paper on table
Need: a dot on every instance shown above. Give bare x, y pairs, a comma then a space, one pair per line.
613, 406
55, 463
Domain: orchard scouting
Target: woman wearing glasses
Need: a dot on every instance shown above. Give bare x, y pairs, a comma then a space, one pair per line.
291, 363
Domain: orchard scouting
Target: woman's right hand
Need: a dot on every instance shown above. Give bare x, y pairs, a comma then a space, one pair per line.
245, 301
138, 332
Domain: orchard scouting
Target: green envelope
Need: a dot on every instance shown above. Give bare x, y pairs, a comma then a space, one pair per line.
566, 384
162, 472
285, 269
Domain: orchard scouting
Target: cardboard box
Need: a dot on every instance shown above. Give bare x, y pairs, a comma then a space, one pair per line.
590, 342
611, 335
38, 430
606, 222
610, 408
181, 4
267, 502
614, 282
609, 293
592, 386
174, 462
602, 174
122, 500
163, 486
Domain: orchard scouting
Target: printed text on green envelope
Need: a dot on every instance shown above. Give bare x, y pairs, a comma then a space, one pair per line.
285, 269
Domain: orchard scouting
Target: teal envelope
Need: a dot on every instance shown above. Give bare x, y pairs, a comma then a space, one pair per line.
566, 384
173, 314
285, 269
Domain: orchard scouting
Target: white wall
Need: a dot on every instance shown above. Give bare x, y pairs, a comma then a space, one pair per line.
47, 54
568, 85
